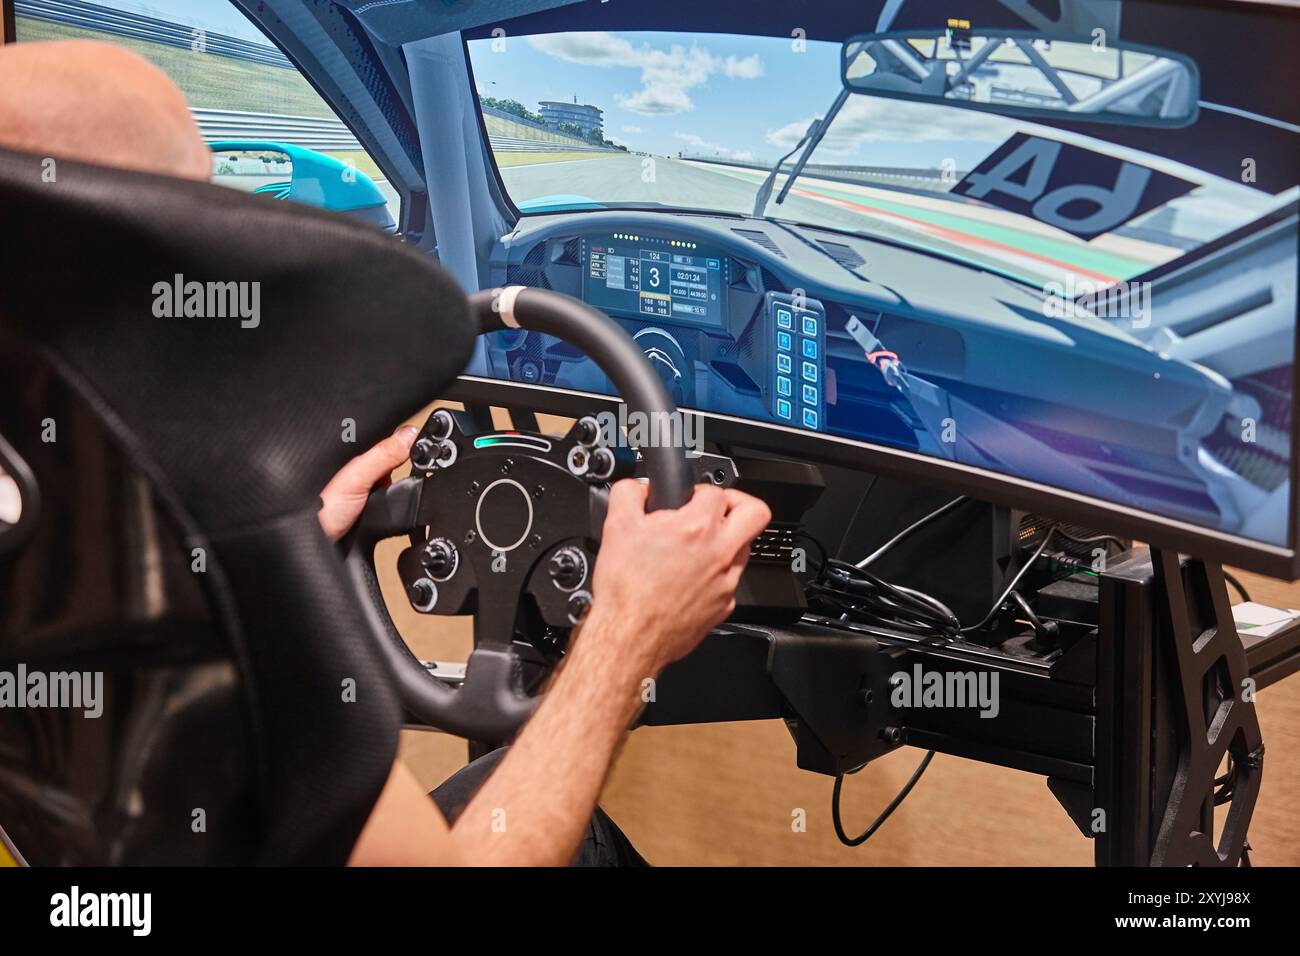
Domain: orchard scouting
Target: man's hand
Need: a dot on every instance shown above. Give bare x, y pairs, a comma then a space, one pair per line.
344, 497
668, 577
662, 580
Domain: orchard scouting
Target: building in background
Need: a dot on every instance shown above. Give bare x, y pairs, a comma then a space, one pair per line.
565, 117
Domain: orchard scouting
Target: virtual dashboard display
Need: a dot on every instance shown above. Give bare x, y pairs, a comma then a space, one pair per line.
669, 279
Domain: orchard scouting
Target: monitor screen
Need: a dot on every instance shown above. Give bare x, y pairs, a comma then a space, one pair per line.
1068, 264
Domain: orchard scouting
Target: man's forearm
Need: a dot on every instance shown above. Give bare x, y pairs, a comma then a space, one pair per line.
534, 809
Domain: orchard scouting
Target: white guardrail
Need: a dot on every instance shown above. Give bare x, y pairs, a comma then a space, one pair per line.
311, 131
330, 134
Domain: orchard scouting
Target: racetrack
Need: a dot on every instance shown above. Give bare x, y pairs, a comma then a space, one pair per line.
986, 235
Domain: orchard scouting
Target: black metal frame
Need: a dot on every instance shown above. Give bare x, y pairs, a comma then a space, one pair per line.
1129, 726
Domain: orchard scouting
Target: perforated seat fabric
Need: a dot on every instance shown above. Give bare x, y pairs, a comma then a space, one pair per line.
238, 428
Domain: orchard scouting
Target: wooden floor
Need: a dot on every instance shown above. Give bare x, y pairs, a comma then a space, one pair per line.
726, 794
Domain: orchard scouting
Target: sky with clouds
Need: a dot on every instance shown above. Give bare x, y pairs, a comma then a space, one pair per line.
740, 97
731, 96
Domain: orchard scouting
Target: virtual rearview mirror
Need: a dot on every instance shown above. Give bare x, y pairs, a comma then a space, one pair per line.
1018, 73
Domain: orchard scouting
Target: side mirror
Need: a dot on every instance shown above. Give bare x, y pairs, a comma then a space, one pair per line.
1021, 73
285, 171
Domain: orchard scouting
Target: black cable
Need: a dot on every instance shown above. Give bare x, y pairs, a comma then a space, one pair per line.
821, 548
863, 595
1019, 600
852, 592
910, 529
1097, 539
1237, 585
992, 612
867, 834
848, 529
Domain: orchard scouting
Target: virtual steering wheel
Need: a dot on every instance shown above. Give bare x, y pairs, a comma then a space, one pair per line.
499, 518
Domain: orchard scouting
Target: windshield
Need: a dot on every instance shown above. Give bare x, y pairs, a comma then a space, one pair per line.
695, 121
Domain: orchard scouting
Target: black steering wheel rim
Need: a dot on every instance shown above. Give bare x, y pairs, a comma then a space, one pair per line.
489, 704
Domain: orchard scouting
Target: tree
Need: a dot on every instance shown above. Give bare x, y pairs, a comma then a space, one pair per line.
514, 107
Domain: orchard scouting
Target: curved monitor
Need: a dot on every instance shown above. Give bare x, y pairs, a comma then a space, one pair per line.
1083, 303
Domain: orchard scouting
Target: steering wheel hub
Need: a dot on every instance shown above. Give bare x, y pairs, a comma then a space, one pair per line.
504, 513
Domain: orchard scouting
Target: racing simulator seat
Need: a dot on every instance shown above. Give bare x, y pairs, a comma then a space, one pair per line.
169, 469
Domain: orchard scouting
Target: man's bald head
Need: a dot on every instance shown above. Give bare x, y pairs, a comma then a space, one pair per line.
97, 103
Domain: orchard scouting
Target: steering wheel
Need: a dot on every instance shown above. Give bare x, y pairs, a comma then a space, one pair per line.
497, 518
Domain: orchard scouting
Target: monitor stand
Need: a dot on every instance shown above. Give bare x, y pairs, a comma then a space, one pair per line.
1131, 724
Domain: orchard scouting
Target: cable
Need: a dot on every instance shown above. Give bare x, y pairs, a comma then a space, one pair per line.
853, 521
862, 595
1038, 552
1237, 586
1096, 539
914, 526
867, 834
852, 592
821, 548
1030, 615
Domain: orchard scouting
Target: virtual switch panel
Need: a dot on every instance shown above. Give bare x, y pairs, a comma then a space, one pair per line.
796, 394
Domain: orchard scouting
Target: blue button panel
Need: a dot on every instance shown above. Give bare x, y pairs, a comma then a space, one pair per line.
798, 360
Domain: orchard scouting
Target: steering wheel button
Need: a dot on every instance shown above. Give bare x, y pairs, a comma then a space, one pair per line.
446, 455
424, 595
422, 454
579, 460
440, 424
579, 601
602, 464
588, 431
